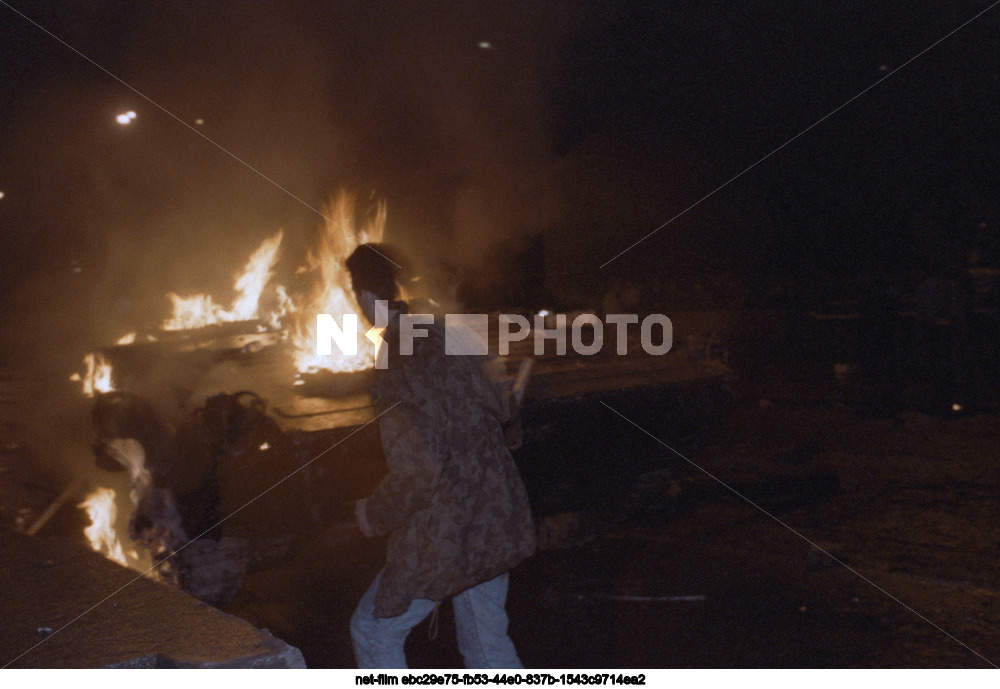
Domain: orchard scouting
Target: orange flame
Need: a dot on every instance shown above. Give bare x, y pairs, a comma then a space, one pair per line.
105, 534
199, 310
342, 232
97, 378
331, 293
103, 513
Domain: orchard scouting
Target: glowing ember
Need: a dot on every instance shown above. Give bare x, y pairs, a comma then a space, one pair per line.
332, 294
103, 513
200, 310
97, 377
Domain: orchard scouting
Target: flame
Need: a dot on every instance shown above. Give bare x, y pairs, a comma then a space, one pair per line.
161, 539
295, 314
255, 277
342, 232
98, 375
199, 310
103, 513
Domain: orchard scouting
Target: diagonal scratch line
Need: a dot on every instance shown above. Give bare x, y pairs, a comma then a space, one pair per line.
238, 509
761, 509
814, 124
203, 136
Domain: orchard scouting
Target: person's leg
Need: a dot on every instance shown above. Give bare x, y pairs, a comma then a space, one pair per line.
378, 641
481, 625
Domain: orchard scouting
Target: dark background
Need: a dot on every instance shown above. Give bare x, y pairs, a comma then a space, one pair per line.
583, 127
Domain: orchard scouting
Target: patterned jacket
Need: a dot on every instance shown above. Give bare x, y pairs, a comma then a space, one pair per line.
453, 502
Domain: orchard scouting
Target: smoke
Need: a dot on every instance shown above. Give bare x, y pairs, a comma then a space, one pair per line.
461, 135
437, 108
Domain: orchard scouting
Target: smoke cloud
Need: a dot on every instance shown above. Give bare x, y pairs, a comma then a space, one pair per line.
437, 108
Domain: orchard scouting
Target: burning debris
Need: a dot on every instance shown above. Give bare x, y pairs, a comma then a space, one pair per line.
198, 320
183, 481
101, 533
97, 377
200, 310
172, 410
155, 523
332, 292
204, 456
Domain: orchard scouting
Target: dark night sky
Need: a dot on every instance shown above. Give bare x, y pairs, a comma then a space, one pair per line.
742, 78
592, 126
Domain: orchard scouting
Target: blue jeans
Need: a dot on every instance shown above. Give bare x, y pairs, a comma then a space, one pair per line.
480, 622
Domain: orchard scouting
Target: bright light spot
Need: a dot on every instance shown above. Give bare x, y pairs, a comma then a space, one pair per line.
123, 119
543, 313
883, 68
956, 407
130, 114
199, 121
1, 194
485, 45
265, 446
374, 335
299, 381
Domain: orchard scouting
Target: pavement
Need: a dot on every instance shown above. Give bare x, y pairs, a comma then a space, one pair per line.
894, 566
65, 606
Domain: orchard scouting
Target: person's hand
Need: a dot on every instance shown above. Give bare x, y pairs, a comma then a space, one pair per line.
361, 517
